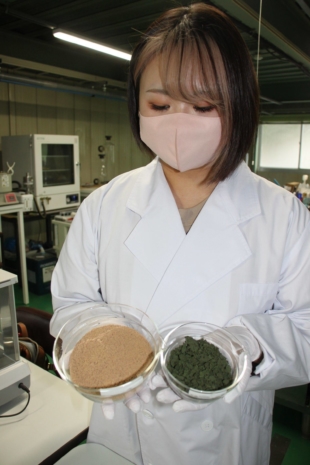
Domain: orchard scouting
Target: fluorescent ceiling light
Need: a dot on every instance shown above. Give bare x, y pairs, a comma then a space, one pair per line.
89, 44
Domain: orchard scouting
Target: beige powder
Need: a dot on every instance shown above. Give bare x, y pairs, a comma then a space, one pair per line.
109, 356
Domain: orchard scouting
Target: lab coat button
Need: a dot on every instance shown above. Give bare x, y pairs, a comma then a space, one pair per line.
207, 425
148, 414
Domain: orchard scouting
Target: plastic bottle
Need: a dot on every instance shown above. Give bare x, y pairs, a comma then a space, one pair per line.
110, 149
303, 184
303, 190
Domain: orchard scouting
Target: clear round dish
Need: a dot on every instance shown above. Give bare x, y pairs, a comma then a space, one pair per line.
94, 317
229, 346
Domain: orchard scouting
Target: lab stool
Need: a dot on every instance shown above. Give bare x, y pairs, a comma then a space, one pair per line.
92, 454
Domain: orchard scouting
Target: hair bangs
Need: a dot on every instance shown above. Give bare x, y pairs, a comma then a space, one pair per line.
189, 73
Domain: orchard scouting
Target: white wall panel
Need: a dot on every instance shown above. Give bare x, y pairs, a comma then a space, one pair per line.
64, 113
46, 112
26, 110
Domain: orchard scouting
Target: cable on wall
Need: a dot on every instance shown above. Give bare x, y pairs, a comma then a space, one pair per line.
259, 34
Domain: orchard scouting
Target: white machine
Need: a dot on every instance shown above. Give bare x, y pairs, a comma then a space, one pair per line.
52, 164
13, 370
62, 223
27, 200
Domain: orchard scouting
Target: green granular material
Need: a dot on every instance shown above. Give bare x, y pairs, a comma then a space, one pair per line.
200, 365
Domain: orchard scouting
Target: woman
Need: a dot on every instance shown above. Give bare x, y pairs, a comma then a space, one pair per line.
195, 236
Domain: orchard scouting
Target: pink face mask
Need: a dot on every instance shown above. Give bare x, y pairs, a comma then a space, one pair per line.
181, 140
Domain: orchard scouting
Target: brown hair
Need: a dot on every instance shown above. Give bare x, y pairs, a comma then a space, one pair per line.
202, 55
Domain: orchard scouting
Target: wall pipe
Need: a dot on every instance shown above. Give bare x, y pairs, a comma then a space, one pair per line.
48, 85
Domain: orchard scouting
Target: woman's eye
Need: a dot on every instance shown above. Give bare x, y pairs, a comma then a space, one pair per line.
159, 107
204, 109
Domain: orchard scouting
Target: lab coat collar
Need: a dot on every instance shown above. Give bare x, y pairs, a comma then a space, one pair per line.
160, 230
237, 193
185, 265
150, 185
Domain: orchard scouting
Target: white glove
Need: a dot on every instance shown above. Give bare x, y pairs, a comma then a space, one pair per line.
253, 352
135, 403
168, 396
108, 409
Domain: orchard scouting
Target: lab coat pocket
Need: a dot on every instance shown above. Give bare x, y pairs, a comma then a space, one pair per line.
258, 407
256, 422
256, 297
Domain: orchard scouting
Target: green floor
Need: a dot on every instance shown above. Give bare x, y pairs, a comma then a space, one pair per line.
287, 423
288, 446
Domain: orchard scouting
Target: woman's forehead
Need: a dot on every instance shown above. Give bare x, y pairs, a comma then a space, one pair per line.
179, 79
150, 77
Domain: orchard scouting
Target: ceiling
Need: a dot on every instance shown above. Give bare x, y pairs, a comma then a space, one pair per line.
32, 56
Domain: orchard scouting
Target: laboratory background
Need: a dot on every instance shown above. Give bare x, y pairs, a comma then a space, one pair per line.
64, 132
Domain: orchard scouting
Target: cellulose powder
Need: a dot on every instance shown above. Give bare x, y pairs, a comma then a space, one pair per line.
109, 356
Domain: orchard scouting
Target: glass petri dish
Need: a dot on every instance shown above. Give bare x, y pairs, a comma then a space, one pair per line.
228, 346
97, 316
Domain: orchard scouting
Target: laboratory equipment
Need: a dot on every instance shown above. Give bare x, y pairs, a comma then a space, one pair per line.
228, 346
61, 223
6, 194
48, 165
40, 267
13, 370
109, 148
27, 200
5, 182
103, 171
28, 183
107, 157
95, 317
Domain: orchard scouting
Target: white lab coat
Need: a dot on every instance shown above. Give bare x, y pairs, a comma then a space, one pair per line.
246, 260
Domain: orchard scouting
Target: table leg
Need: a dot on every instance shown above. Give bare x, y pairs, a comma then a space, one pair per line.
22, 252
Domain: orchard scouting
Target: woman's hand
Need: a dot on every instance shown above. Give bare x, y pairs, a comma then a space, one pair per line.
143, 396
135, 403
167, 396
253, 353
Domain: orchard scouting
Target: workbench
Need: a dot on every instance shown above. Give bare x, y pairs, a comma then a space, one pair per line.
55, 421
